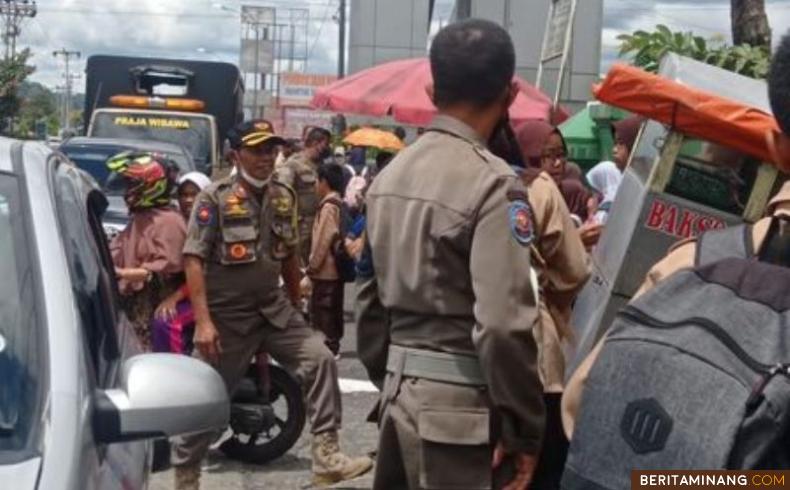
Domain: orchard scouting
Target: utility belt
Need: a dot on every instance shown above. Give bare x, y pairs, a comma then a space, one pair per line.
435, 366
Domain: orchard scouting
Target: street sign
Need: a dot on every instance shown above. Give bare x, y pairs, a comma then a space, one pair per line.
257, 15
257, 56
557, 29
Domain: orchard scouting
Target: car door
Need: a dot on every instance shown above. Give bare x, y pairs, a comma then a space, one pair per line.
107, 334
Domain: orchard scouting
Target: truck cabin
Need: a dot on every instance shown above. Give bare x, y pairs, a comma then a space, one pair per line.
190, 103
676, 186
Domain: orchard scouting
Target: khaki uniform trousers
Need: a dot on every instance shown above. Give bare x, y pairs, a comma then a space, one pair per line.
300, 350
436, 435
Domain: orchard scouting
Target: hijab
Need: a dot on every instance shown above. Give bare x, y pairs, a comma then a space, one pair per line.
531, 135
198, 178
626, 130
605, 178
576, 195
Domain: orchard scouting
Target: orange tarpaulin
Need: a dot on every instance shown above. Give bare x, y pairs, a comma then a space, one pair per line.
688, 110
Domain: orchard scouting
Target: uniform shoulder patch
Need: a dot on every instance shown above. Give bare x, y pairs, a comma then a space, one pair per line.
282, 197
520, 216
205, 214
521, 225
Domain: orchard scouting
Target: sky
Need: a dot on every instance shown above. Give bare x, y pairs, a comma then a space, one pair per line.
209, 29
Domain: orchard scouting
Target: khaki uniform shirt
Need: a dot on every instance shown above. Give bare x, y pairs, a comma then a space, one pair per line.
242, 236
326, 231
563, 268
301, 174
680, 256
449, 229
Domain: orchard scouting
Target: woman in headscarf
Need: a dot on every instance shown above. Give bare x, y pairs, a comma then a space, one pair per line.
147, 253
561, 264
544, 147
174, 321
189, 186
625, 133
605, 178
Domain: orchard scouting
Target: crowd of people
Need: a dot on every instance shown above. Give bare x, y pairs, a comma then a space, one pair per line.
468, 249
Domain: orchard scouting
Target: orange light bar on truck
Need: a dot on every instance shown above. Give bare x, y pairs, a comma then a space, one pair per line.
140, 102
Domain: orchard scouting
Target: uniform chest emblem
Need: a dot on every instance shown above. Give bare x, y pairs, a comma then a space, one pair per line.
521, 226
205, 215
235, 208
238, 251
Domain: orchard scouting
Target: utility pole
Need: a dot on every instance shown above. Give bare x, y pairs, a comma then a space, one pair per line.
67, 55
341, 58
12, 13
69, 92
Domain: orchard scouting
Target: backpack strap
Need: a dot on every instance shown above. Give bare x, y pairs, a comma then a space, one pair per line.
334, 201
732, 242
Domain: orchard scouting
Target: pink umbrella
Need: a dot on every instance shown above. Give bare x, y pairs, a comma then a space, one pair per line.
398, 89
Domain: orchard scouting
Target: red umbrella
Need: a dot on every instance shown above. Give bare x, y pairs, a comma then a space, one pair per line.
398, 89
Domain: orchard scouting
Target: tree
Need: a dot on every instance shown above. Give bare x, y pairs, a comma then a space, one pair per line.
647, 48
13, 72
38, 104
750, 23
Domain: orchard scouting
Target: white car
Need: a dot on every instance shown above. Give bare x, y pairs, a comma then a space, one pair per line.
79, 403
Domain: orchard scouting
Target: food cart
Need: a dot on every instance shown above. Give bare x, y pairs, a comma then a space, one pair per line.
697, 164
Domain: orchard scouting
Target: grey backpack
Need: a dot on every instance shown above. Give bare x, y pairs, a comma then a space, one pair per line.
694, 374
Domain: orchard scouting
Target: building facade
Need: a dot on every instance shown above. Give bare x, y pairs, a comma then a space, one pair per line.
384, 30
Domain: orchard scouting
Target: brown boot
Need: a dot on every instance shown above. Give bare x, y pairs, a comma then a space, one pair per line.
188, 477
330, 466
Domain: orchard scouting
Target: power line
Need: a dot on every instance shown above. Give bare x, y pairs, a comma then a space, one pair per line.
320, 29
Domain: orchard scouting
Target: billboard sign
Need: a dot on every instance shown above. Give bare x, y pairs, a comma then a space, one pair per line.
297, 89
559, 23
257, 56
295, 119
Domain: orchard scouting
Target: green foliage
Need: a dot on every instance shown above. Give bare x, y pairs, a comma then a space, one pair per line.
38, 103
13, 72
647, 48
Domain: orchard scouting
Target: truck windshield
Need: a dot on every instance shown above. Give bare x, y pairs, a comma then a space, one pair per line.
21, 354
192, 132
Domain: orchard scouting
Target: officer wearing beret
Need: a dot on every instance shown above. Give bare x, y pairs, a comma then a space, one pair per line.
242, 237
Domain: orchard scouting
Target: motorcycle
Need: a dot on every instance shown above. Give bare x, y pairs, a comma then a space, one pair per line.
267, 414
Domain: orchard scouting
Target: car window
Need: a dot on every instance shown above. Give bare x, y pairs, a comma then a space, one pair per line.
93, 161
92, 278
21, 350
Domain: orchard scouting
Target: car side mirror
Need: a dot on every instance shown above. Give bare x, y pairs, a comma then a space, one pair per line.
161, 395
